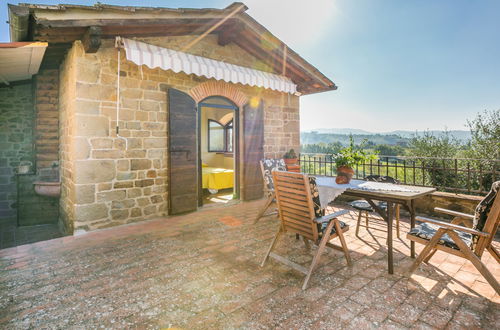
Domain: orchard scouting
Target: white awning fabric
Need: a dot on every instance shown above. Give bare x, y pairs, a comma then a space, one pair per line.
167, 59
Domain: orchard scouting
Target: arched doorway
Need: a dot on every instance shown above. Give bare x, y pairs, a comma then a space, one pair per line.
184, 148
218, 150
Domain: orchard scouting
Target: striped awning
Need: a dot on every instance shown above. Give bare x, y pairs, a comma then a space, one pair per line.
167, 59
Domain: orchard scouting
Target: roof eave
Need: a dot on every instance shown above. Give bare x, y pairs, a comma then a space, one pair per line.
18, 22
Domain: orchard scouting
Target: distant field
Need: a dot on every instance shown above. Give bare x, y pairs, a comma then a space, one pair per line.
399, 138
315, 138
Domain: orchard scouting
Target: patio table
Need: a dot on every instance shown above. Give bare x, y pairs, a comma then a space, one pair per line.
391, 193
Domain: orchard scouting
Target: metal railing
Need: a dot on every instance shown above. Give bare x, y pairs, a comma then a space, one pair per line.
460, 175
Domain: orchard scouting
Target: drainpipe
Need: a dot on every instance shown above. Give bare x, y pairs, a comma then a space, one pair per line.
18, 23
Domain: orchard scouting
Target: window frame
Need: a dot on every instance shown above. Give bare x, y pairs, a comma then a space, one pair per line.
223, 136
228, 126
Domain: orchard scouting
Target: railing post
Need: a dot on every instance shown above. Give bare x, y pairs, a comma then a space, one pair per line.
404, 170
468, 177
423, 172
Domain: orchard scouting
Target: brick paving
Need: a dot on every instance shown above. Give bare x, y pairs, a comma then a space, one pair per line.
201, 271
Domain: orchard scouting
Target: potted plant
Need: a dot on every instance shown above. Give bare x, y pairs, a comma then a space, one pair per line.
290, 157
347, 158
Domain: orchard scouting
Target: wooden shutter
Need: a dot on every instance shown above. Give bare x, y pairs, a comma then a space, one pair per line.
253, 151
183, 153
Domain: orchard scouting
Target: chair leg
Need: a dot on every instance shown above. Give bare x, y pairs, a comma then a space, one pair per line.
491, 249
342, 242
273, 243
427, 249
366, 221
317, 256
269, 201
475, 261
426, 260
306, 243
359, 222
397, 220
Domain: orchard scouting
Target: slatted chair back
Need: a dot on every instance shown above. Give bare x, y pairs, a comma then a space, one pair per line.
492, 222
295, 204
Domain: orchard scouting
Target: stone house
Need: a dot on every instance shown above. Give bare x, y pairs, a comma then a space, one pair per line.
116, 106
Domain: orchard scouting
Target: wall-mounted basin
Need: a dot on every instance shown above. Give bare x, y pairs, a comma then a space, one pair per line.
48, 188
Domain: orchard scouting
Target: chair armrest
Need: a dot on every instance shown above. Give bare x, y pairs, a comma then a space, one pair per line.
454, 213
331, 216
452, 226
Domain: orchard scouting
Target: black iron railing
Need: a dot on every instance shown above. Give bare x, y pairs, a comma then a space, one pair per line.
460, 175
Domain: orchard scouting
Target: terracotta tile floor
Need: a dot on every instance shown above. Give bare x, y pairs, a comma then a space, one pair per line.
201, 271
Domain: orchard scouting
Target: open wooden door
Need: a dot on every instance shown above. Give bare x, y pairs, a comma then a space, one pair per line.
253, 151
183, 152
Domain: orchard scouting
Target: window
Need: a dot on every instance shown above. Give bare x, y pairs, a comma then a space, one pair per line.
220, 137
216, 136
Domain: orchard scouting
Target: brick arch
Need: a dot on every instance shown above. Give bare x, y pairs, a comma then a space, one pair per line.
218, 88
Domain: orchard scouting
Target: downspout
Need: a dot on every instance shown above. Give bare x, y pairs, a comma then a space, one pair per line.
18, 23
119, 45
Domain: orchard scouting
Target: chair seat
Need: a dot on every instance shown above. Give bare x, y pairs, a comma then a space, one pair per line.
363, 205
427, 230
325, 224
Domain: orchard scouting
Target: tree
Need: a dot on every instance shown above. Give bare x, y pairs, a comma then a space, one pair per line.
388, 150
485, 144
430, 145
485, 135
434, 149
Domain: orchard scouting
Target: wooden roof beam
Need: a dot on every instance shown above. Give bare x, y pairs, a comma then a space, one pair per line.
92, 39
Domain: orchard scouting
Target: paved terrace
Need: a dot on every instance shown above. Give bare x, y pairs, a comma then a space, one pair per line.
201, 271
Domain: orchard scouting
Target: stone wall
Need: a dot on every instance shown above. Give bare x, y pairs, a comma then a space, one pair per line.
456, 202
67, 149
16, 141
47, 118
111, 179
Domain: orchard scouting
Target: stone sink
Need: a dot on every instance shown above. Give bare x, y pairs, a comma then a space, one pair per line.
48, 188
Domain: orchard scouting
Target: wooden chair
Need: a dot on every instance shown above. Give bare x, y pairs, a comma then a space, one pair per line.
459, 240
365, 208
267, 166
300, 213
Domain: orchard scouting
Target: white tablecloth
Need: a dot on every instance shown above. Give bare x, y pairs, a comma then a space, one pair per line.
329, 190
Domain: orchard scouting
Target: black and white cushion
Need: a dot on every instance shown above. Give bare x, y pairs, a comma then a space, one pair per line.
427, 230
363, 205
269, 165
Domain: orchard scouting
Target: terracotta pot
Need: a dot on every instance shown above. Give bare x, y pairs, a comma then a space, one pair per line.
290, 161
344, 175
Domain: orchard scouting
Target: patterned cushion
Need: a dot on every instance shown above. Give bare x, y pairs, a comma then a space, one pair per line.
318, 211
363, 205
483, 209
270, 165
381, 178
325, 224
427, 230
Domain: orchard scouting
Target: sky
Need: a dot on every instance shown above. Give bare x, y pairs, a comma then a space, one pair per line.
410, 65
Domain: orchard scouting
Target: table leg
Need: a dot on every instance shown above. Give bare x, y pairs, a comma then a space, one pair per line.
412, 225
390, 260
